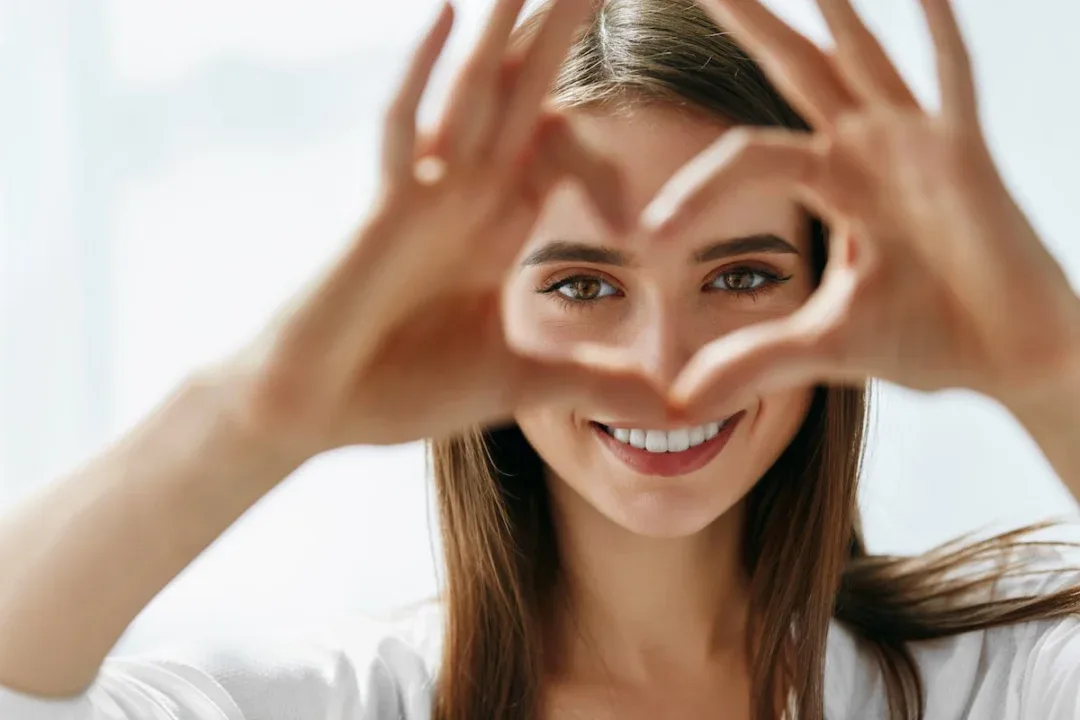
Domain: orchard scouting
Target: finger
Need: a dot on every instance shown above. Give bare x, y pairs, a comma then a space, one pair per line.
561, 154
798, 67
495, 37
740, 156
813, 345
590, 376
399, 134
536, 72
860, 58
765, 357
473, 101
955, 75
514, 228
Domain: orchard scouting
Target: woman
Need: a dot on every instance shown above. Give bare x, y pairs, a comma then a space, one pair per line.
649, 387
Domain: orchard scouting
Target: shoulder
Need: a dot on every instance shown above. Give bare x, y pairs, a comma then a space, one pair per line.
1024, 669
1030, 668
347, 667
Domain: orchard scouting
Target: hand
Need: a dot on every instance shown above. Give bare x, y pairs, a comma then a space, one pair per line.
935, 278
403, 337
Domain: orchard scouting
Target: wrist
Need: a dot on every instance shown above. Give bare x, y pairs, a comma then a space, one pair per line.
1056, 408
234, 434
1051, 416
1052, 392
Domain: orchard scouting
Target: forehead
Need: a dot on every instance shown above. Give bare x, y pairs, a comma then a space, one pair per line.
650, 144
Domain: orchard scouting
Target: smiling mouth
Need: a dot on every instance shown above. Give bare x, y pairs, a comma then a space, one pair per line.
667, 453
666, 441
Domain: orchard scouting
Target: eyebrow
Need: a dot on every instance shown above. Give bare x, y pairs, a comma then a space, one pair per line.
566, 251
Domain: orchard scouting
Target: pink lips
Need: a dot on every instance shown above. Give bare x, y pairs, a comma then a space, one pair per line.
669, 464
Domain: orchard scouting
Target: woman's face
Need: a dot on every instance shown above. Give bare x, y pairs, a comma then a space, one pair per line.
747, 261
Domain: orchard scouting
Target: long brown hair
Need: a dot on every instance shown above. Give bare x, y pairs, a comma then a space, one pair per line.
500, 554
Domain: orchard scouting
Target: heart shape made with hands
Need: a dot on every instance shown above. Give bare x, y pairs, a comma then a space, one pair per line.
934, 279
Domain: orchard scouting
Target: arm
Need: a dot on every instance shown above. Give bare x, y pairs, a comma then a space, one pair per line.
80, 560
351, 360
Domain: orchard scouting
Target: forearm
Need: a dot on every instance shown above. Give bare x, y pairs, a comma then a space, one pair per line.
79, 561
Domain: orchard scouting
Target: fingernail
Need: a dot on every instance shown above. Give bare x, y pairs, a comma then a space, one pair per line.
447, 7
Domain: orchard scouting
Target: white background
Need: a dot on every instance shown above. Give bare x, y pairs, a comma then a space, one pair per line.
170, 171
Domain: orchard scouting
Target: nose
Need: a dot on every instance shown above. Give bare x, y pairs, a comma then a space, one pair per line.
664, 342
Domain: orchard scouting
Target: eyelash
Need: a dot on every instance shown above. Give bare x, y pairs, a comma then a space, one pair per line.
771, 281
553, 287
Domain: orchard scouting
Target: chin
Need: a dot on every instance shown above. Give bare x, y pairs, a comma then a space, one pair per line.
666, 513
669, 483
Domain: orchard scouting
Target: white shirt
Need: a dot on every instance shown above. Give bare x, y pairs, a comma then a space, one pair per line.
363, 670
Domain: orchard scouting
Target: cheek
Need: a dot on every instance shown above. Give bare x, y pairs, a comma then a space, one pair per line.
543, 319
552, 433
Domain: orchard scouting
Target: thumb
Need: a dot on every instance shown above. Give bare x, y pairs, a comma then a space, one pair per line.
562, 155
765, 357
813, 345
590, 375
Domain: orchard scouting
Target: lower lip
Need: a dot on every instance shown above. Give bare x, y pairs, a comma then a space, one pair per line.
667, 464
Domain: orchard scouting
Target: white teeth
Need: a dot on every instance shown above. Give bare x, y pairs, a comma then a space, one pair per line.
678, 440
659, 441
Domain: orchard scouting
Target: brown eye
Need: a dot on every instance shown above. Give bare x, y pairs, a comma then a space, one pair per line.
740, 279
584, 288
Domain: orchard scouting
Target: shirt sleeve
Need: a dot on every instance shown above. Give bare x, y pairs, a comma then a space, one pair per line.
1047, 652
1052, 669
286, 678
